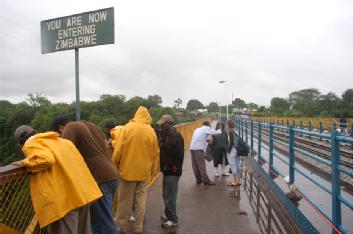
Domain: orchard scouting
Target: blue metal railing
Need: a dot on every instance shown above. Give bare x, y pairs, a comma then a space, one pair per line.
260, 131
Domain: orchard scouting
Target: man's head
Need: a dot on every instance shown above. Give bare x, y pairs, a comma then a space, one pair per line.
59, 123
22, 134
206, 123
166, 122
109, 125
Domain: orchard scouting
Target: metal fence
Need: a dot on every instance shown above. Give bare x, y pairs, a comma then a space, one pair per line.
17, 214
264, 135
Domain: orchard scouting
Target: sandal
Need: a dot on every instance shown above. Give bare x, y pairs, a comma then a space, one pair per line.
231, 184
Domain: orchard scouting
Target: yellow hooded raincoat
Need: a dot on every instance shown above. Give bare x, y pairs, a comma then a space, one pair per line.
60, 181
136, 149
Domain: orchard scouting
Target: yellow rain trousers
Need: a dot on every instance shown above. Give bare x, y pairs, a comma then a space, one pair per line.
60, 181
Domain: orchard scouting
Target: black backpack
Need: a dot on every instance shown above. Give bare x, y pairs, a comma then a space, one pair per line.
242, 148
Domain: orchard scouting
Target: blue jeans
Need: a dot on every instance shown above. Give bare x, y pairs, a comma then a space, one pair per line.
170, 192
102, 210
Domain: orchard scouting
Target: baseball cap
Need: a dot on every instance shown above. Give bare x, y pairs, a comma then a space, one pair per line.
165, 119
22, 131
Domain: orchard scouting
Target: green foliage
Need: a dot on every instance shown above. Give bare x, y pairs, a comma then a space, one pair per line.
39, 112
194, 104
213, 107
279, 106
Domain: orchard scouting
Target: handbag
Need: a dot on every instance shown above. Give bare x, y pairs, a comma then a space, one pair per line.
209, 153
242, 148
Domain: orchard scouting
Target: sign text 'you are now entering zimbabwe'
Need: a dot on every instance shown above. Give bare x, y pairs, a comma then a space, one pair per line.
76, 31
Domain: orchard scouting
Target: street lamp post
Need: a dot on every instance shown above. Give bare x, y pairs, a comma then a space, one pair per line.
225, 86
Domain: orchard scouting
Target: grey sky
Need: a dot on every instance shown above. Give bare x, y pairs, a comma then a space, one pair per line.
181, 49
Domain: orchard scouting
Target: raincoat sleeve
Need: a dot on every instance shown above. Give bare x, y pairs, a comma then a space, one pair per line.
38, 157
118, 148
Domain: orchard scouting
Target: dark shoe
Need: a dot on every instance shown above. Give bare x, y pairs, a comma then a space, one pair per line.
209, 183
198, 182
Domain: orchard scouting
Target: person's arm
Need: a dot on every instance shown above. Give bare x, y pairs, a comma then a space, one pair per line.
38, 158
118, 148
231, 142
211, 131
180, 145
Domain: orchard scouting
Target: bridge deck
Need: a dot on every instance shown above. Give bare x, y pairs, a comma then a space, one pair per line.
202, 209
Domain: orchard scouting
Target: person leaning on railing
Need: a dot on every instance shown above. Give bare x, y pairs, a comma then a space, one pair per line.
61, 184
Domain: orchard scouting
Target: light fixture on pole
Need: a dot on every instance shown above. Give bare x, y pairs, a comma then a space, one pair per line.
225, 86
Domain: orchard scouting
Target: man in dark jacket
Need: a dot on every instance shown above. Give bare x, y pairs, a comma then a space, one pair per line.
171, 145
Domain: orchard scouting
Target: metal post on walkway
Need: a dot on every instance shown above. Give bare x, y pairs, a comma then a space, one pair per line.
242, 129
310, 127
335, 181
77, 82
321, 130
252, 135
259, 141
334, 127
271, 147
246, 131
291, 155
352, 134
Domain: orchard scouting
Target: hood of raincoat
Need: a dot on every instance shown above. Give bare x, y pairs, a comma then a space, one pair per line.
136, 148
142, 116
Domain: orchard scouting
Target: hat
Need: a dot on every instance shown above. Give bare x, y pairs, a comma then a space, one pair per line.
165, 119
22, 131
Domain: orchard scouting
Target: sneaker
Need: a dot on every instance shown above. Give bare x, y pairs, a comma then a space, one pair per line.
164, 219
225, 174
216, 174
209, 183
132, 218
169, 224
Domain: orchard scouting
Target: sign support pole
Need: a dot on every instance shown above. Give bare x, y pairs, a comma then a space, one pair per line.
77, 79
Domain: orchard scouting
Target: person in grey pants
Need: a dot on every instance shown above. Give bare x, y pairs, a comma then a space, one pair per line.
171, 144
197, 147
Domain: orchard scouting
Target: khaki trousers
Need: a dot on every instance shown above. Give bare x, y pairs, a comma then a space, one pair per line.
131, 193
75, 222
199, 166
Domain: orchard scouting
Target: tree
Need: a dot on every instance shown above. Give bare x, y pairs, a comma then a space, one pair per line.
177, 103
239, 103
154, 100
305, 101
36, 100
279, 106
194, 104
328, 103
213, 107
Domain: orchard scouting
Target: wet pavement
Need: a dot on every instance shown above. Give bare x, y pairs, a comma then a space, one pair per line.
202, 209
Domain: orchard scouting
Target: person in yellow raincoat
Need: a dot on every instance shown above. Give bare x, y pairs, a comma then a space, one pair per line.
61, 184
135, 151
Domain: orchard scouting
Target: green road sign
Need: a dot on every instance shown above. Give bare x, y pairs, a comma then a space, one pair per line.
76, 31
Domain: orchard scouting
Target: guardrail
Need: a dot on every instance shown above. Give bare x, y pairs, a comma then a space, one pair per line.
253, 133
17, 214
318, 124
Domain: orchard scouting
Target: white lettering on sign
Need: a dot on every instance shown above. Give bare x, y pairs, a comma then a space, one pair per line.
76, 31
87, 40
74, 21
54, 24
97, 17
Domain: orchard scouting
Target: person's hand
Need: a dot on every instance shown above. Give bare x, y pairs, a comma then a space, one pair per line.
17, 163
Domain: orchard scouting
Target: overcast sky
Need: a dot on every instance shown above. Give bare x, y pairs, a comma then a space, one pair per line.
182, 49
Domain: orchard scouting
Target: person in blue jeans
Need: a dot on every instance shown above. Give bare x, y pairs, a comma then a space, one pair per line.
233, 159
90, 142
171, 144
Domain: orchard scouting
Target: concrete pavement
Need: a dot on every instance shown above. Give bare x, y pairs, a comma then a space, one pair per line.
202, 209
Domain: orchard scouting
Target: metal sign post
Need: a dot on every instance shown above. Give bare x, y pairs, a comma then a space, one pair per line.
77, 31
77, 81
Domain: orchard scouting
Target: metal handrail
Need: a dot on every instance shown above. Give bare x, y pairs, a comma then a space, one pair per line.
334, 163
